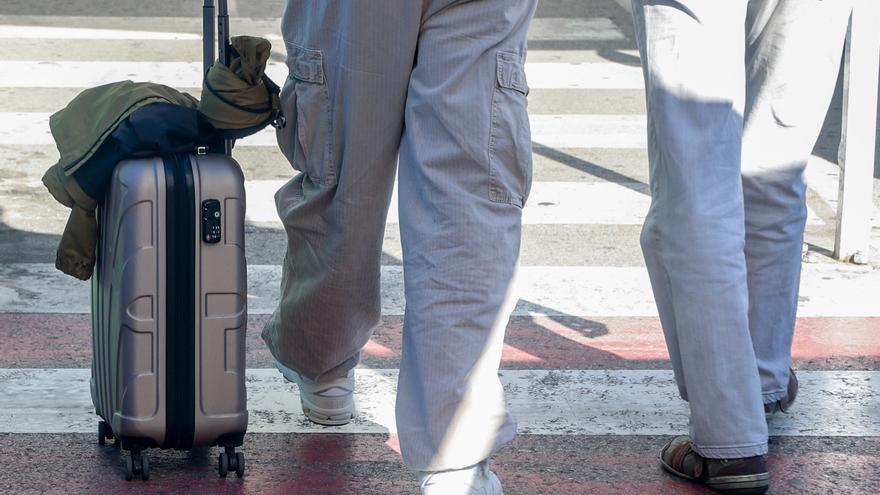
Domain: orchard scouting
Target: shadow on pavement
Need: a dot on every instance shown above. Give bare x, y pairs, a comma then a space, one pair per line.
21, 246
591, 168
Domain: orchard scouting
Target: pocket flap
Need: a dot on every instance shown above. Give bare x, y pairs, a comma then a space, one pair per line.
511, 72
305, 64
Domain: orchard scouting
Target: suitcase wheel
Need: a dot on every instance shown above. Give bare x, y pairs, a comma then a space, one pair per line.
137, 464
239, 464
104, 433
224, 465
231, 461
145, 468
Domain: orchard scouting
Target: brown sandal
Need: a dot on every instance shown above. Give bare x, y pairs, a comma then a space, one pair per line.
747, 475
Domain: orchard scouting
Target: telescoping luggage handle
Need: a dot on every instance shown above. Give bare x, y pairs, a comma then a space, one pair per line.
222, 32
208, 28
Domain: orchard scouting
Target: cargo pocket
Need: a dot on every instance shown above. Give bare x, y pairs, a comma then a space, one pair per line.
510, 144
306, 139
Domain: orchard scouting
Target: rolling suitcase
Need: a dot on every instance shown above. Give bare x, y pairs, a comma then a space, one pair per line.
169, 303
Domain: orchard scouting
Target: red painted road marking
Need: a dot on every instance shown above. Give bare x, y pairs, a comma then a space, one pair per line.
393, 443
365, 465
823, 343
378, 350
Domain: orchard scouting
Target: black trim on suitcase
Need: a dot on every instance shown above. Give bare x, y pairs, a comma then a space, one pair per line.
180, 315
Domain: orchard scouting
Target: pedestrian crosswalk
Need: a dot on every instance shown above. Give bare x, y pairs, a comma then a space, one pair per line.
84, 74
187, 29
545, 402
584, 364
826, 290
556, 131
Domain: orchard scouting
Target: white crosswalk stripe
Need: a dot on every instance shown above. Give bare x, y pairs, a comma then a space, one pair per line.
80, 74
545, 402
574, 29
8, 32
549, 203
562, 131
826, 290
541, 29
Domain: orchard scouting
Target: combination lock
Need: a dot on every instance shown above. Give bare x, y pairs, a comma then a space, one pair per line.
211, 216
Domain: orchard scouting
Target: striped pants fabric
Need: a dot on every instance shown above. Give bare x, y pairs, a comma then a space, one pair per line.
441, 85
736, 95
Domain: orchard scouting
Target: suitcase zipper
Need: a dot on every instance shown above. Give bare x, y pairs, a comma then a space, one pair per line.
180, 228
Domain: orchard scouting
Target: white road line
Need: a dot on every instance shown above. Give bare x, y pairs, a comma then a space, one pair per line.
541, 29
589, 131
8, 31
594, 75
545, 402
25, 128
574, 29
24, 205
602, 203
555, 131
135, 25
826, 290
550, 203
81, 74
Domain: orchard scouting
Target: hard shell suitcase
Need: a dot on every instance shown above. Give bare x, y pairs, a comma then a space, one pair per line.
169, 306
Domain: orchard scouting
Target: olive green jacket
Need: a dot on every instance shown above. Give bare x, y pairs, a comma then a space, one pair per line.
238, 100
79, 129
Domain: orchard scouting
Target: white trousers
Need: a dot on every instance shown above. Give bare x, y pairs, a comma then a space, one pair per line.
737, 91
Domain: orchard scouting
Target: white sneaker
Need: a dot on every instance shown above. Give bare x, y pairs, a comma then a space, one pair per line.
328, 402
474, 480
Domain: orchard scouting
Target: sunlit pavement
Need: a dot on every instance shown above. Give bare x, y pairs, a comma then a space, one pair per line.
584, 363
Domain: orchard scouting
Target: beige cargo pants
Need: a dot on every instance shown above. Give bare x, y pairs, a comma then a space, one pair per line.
439, 84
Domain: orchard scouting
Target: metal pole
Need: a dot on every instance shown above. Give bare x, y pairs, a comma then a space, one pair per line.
856, 155
222, 49
222, 30
208, 35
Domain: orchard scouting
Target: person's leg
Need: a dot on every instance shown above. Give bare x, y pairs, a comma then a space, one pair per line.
693, 237
344, 100
465, 172
792, 59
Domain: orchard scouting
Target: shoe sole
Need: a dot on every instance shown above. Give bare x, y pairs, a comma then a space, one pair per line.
323, 417
744, 484
740, 485
326, 417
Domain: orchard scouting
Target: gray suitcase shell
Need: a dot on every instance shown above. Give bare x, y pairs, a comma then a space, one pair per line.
141, 373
